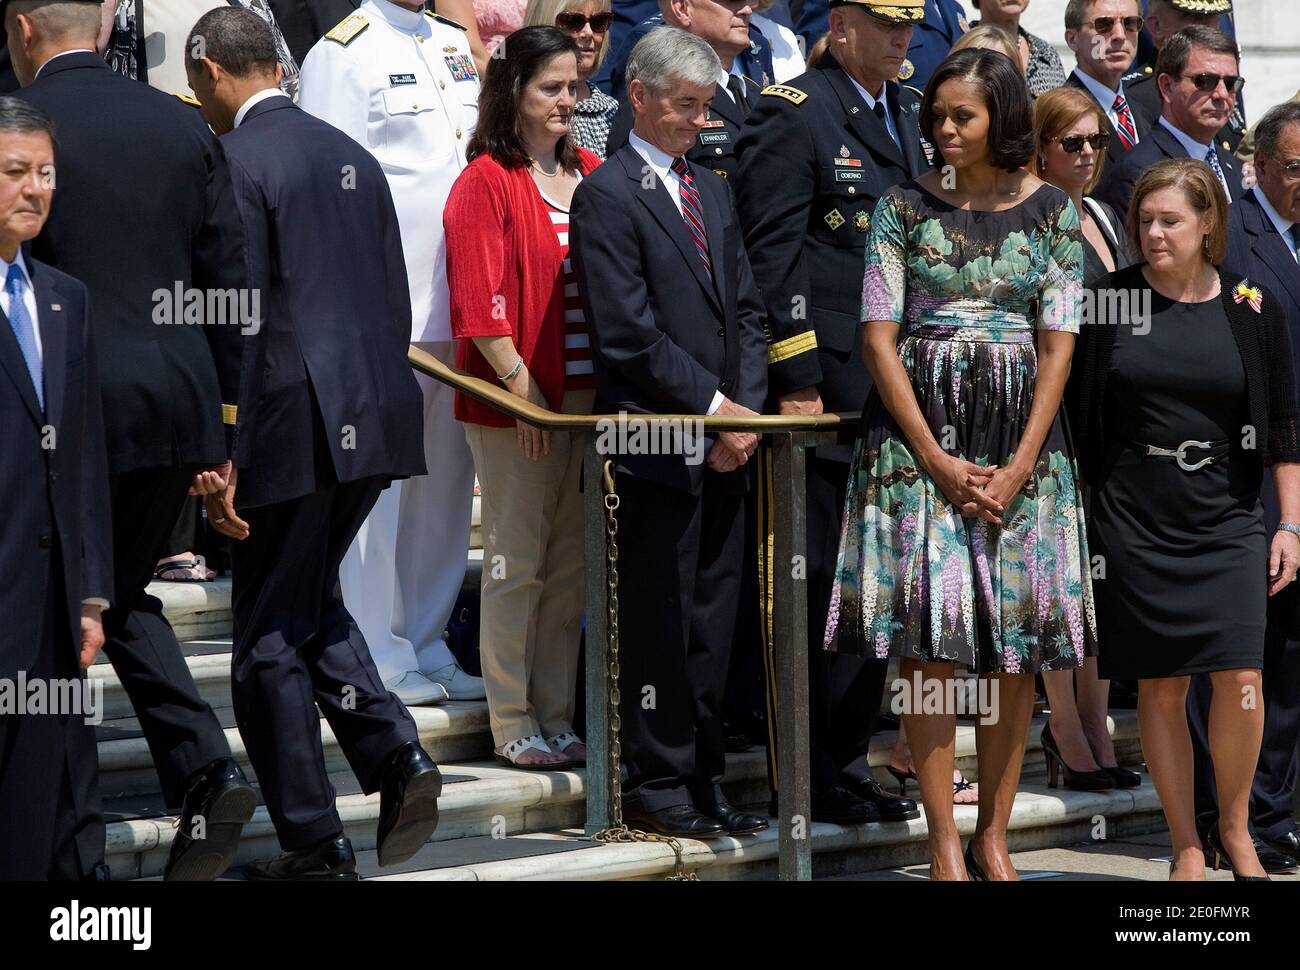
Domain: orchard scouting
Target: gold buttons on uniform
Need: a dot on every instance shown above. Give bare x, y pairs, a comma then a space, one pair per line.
420, 38
457, 132
717, 151
852, 190
442, 85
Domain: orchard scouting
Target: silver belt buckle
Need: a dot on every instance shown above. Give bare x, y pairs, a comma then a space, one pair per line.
1180, 454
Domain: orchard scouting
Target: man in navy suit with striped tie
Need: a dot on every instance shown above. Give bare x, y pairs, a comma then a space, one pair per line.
56, 562
676, 328
1103, 35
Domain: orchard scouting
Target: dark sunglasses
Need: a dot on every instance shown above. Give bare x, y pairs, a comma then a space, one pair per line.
574, 22
1103, 25
1208, 82
1073, 144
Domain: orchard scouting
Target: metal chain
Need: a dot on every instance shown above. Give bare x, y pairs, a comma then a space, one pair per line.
617, 830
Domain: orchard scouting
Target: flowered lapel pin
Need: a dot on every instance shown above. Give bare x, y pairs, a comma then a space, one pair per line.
1249, 294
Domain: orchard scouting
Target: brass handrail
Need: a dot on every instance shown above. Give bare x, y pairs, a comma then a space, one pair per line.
497, 397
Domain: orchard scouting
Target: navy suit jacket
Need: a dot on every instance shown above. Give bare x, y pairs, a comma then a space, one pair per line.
143, 206
1119, 180
326, 393
54, 475
664, 336
1258, 252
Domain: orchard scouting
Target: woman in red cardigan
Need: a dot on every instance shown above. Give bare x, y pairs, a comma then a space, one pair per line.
517, 319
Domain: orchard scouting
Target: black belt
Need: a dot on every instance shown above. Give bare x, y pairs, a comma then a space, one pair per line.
1179, 454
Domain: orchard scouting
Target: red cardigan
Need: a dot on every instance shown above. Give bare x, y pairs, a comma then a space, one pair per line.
506, 277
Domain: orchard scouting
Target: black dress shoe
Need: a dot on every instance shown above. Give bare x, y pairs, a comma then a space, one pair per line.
839, 806
682, 820
892, 808
1122, 777
408, 804
329, 861
737, 822
1287, 846
219, 802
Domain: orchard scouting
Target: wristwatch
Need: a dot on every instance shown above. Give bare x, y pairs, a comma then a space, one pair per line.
1292, 527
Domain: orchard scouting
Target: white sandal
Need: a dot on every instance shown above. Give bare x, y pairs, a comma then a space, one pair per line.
508, 754
558, 742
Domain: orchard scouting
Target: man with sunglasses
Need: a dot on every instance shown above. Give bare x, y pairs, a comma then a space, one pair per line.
1199, 78
1103, 35
1166, 18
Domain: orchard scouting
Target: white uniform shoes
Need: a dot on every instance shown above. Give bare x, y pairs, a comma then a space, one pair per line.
459, 685
414, 688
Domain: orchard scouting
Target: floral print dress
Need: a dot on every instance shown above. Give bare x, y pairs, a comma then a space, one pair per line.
913, 577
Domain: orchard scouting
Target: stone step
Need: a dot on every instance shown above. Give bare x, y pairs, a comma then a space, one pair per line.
1041, 818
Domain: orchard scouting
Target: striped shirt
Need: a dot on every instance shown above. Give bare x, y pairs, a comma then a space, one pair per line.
577, 343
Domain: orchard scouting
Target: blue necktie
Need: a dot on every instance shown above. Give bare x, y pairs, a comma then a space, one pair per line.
1212, 160
21, 322
1293, 236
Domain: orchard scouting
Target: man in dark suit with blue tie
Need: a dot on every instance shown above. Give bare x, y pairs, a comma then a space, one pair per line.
1264, 246
330, 414
1198, 73
56, 572
676, 324
145, 218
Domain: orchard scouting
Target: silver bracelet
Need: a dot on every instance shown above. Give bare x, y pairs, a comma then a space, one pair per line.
1291, 527
519, 365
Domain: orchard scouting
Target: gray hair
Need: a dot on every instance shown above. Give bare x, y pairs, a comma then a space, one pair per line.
1269, 128
668, 54
16, 115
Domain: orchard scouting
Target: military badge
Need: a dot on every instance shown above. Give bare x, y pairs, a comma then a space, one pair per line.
844, 151
462, 68
861, 221
906, 70
834, 219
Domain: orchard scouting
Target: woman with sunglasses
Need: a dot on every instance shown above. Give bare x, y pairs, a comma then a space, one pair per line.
1183, 398
588, 23
1072, 133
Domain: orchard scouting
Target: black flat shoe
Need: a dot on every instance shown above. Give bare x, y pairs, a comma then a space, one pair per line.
839, 806
678, 820
737, 822
892, 808
220, 801
973, 871
331, 860
408, 804
1099, 780
1123, 778
1217, 857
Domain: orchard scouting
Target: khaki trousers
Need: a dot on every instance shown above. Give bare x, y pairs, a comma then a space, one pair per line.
533, 580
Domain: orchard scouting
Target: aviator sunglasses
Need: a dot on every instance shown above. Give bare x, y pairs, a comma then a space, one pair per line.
1208, 82
574, 22
1103, 25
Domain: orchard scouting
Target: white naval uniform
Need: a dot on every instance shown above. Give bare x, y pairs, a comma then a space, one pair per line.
402, 84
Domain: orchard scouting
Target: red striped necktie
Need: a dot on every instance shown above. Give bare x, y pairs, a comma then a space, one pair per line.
693, 211
1127, 131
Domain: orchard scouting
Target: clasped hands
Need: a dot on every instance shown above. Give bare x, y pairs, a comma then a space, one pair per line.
731, 449
216, 485
978, 491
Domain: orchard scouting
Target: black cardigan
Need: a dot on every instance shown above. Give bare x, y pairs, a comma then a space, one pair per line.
1265, 346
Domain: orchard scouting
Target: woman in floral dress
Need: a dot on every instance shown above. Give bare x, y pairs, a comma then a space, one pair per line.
963, 537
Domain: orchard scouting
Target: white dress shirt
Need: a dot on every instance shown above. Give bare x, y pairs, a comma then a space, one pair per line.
1194, 149
258, 98
1105, 97
725, 76
660, 163
1283, 225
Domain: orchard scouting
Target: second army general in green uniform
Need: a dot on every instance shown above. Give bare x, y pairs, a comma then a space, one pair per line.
815, 155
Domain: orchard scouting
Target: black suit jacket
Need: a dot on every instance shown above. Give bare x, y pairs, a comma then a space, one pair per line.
54, 475
715, 146
1141, 120
1117, 182
326, 394
813, 161
143, 205
664, 336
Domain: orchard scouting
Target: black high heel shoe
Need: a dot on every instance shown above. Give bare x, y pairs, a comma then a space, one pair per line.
973, 870
902, 777
1099, 780
1222, 860
1122, 777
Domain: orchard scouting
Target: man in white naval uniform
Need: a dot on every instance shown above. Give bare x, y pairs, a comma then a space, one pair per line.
402, 83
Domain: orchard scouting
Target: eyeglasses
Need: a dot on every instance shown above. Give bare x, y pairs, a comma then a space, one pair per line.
1208, 82
1290, 170
1104, 25
1073, 144
574, 22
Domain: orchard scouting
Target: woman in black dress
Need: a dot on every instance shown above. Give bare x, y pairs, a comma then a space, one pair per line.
1183, 394
1071, 134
